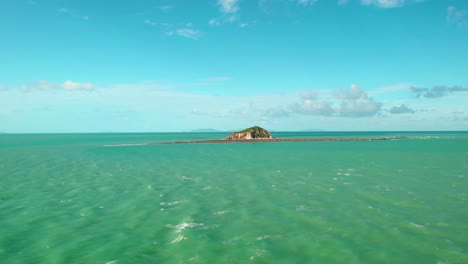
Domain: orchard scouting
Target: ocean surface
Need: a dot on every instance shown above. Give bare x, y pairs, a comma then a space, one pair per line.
114, 198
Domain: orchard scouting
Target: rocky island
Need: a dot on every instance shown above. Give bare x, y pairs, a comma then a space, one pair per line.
258, 134
250, 133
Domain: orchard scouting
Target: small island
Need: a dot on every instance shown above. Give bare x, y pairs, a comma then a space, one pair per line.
250, 133
257, 134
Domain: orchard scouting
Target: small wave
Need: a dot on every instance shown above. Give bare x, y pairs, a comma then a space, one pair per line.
126, 145
270, 237
416, 225
424, 137
301, 208
178, 239
222, 212
168, 203
181, 227
258, 253
233, 240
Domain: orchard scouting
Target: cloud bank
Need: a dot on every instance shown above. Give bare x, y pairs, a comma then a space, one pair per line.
437, 91
401, 109
67, 85
384, 3
457, 16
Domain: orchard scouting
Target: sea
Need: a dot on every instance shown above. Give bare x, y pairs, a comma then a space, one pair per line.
119, 198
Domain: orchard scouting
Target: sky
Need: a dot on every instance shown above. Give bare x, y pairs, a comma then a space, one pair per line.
75, 66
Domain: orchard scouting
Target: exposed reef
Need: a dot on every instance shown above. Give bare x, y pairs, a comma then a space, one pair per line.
217, 141
258, 134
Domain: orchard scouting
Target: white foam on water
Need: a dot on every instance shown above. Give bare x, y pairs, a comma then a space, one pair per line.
222, 212
168, 203
178, 239
181, 227
258, 253
185, 178
112, 262
207, 188
264, 237
301, 208
416, 225
194, 258
424, 137
232, 240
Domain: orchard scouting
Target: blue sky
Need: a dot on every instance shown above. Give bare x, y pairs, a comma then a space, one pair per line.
178, 65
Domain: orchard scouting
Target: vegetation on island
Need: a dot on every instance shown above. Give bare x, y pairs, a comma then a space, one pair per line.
257, 132
254, 132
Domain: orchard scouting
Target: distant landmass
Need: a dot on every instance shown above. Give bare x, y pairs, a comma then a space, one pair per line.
313, 130
205, 130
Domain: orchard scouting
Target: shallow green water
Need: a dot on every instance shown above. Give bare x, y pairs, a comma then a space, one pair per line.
92, 198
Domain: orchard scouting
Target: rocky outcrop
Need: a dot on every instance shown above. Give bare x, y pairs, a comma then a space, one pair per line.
250, 133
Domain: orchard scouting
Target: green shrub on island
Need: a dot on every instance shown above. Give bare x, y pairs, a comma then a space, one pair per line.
254, 132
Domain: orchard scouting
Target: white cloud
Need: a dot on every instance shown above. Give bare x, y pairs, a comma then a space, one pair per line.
229, 6
356, 103
308, 95
392, 88
229, 10
214, 21
185, 30
225, 19
312, 107
401, 109
342, 2
346, 103
71, 13
306, 2
47, 85
457, 16
186, 33
70, 85
437, 91
154, 23
166, 8
384, 3
150, 22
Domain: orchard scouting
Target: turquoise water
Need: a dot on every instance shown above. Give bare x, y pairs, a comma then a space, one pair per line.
109, 198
